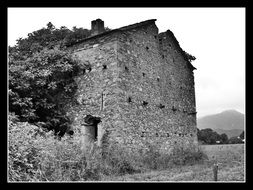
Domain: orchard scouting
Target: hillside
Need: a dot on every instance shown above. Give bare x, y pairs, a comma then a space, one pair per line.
229, 133
230, 122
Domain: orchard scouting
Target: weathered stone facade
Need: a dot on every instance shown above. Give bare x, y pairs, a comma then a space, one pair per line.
140, 84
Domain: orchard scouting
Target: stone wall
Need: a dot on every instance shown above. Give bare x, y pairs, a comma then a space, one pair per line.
157, 103
141, 86
97, 87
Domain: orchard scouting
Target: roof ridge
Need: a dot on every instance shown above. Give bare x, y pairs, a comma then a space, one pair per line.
117, 29
137, 24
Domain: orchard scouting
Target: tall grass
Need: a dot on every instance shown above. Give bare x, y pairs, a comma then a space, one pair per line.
35, 155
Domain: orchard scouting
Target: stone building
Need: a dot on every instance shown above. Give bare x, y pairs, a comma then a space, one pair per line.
139, 88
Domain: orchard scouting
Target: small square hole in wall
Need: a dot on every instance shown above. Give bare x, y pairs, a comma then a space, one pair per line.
168, 134
156, 134
174, 109
169, 45
144, 103
155, 36
158, 79
143, 74
147, 48
163, 56
126, 68
161, 106
104, 67
129, 99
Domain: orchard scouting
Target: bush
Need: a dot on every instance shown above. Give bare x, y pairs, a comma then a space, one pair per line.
235, 140
35, 155
119, 161
154, 159
185, 156
23, 152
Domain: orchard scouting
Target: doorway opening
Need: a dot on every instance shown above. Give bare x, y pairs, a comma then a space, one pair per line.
91, 122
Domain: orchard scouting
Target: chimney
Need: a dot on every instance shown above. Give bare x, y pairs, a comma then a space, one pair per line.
97, 27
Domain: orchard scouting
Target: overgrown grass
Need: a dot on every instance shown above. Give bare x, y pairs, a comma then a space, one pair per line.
37, 156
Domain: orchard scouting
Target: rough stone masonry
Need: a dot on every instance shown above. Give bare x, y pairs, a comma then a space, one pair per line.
138, 91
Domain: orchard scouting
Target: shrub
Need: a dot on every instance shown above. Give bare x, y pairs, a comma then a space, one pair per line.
23, 152
154, 159
119, 160
189, 155
235, 140
38, 156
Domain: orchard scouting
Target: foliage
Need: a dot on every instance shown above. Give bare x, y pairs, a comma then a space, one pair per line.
76, 35
41, 75
40, 86
235, 140
242, 135
224, 138
36, 155
189, 57
23, 163
208, 136
48, 37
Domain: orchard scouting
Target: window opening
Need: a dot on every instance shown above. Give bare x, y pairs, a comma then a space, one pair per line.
173, 109
104, 67
161, 106
144, 103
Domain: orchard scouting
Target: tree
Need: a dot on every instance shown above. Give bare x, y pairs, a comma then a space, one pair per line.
235, 140
40, 86
41, 76
208, 136
224, 138
242, 135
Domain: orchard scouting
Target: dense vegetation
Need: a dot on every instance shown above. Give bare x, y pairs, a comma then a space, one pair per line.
41, 72
208, 136
35, 155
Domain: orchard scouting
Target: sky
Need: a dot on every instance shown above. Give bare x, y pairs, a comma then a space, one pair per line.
215, 36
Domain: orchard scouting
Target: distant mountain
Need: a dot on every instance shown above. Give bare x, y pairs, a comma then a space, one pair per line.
230, 122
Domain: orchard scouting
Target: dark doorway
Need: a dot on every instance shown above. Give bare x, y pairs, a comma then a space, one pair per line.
92, 122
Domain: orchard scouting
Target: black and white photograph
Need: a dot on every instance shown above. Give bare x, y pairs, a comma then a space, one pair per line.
126, 94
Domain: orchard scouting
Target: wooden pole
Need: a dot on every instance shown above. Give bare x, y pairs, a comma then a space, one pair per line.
215, 172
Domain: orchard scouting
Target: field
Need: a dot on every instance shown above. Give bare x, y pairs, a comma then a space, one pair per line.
230, 160
38, 156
